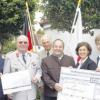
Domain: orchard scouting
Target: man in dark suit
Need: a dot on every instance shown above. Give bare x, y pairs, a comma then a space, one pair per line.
2, 97
46, 44
51, 67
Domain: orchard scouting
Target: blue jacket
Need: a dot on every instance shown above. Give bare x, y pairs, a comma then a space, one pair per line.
89, 64
1, 71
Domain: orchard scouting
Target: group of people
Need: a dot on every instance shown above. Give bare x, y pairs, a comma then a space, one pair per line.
45, 68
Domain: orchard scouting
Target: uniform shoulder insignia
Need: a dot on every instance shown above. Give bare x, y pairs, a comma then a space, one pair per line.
17, 53
9, 53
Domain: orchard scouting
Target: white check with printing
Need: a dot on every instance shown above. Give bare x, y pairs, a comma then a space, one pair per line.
79, 84
16, 81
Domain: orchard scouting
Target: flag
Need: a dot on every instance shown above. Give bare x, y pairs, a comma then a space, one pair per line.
26, 31
76, 32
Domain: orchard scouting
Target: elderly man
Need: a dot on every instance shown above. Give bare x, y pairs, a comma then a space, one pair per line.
46, 51
51, 67
46, 43
22, 59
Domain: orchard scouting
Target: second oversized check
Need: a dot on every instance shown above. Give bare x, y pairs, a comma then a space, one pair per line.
79, 85
17, 81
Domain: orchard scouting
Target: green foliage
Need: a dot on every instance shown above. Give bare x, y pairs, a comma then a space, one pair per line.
41, 32
12, 16
91, 13
60, 13
9, 45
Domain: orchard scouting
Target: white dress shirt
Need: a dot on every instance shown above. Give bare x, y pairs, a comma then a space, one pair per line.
81, 62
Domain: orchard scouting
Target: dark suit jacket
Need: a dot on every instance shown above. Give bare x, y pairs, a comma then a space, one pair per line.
51, 67
1, 71
88, 64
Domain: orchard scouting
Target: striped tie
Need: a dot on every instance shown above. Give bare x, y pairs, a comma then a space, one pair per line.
48, 53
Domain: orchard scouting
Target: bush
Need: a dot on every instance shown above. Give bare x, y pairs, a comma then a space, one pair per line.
9, 45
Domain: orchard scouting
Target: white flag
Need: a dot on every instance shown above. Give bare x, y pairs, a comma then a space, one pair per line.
76, 32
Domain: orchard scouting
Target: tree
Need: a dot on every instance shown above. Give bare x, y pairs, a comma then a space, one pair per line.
60, 13
12, 16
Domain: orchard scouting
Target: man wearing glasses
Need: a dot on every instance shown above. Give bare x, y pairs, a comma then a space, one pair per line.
22, 59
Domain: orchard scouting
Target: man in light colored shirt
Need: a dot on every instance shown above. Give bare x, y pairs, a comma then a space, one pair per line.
22, 59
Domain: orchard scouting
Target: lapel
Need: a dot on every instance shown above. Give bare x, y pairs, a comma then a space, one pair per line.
85, 64
28, 60
57, 60
19, 58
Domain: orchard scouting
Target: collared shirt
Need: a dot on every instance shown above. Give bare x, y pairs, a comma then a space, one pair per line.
60, 57
81, 62
24, 57
48, 53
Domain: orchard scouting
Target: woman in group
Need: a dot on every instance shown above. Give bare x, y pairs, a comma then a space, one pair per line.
83, 50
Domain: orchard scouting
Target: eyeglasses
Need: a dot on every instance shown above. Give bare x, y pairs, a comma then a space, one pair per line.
20, 42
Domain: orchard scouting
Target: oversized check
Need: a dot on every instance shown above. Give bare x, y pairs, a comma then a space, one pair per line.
79, 84
16, 81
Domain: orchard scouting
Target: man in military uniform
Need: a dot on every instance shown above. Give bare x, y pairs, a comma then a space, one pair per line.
22, 59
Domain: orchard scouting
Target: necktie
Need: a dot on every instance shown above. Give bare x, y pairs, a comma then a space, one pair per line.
23, 56
98, 59
48, 53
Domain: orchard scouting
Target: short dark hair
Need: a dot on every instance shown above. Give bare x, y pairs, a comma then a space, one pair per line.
87, 45
58, 40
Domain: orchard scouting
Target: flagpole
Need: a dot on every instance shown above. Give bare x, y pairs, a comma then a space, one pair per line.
30, 24
76, 31
79, 3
